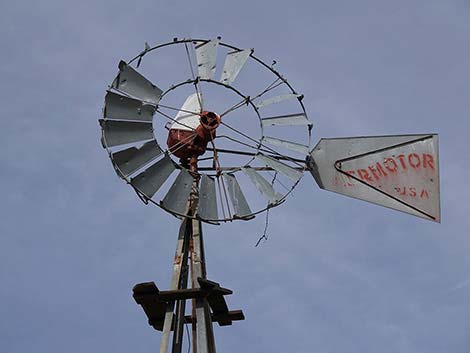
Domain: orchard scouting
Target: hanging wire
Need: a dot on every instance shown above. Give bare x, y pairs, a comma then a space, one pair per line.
264, 236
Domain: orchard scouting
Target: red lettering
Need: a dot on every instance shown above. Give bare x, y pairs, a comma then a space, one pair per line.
364, 175
401, 158
424, 194
412, 191
414, 160
377, 171
391, 165
428, 160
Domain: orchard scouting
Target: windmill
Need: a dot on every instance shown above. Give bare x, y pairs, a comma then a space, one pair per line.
212, 145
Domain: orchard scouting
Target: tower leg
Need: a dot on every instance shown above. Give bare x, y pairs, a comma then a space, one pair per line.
204, 331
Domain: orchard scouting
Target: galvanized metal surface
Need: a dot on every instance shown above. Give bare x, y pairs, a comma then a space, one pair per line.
206, 57
119, 107
240, 206
276, 99
184, 119
115, 133
151, 179
299, 119
132, 82
293, 146
177, 197
288, 171
234, 62
207, 199
399, 172
262, 185
175, 281
131, 159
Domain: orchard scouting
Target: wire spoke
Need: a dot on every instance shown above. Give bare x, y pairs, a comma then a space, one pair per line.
260, 143
174, 120
176, 109
241, 103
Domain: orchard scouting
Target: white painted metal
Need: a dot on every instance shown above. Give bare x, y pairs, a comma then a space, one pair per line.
185, 119
399, 172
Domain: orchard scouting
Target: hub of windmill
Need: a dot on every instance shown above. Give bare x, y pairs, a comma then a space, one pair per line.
188, 145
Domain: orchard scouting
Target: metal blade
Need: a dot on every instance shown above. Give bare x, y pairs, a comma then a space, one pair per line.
262, 185
206, 56
117, 133
207, 199
239, 203
299, 119
297, 147
151, 179
400, 172
131, 159
288, 171
185, 120
133, 83
176, 200
234, 62
276, 99
119, 107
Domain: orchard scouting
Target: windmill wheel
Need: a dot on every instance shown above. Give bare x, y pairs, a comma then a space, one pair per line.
202, 110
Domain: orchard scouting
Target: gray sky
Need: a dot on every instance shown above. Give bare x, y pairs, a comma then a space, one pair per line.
337, 275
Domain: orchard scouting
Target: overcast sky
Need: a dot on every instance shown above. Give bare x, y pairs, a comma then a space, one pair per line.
336, 275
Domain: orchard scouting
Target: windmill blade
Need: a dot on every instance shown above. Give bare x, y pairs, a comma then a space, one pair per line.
262, 185
185, 119
207, 199
176, 200
240, 206
299, 119
276, 99
234, 62
288, 171
119, 107
151, 179
133, 83
131, 159
400, 172
206, 57
293, 146
118, 132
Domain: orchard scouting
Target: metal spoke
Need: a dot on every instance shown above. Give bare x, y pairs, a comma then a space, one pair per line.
258, 142
196, 80
177, 109
247, 99
174, 120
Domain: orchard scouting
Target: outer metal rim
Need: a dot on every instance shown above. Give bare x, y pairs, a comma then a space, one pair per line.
259, 144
